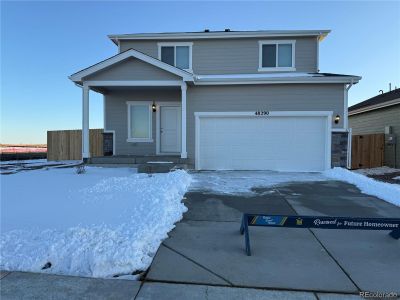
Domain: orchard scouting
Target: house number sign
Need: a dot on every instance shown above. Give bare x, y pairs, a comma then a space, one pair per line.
262, 113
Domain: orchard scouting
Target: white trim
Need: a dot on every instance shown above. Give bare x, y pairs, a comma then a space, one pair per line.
277, 68
349, 140
85, 123
327, 114
158, 124
374, 107
218, 35
175, 44
113, 132
317, 53
271, 114
124, 55
140, 140
133, 83
183, 120
338, 129
345, 109
273, 81
104, 112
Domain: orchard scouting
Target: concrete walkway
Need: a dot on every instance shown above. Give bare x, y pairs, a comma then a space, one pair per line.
206, 247
20, 285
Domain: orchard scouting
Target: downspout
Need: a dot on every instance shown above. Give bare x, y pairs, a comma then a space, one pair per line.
349, 131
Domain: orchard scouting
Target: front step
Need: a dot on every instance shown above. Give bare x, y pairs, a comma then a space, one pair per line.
136, 159
150, 168
111, 160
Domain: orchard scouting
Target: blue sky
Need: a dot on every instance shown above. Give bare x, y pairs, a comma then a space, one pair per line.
44, 42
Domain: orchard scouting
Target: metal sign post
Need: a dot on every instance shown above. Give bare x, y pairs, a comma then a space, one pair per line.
320, 222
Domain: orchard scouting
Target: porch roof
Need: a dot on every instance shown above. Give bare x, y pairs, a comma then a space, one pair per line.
78, 77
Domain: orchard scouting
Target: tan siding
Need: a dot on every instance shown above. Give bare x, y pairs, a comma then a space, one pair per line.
375, 122
229, 56
132, 69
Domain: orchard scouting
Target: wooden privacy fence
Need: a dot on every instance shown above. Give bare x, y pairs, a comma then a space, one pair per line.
67, 144
367, 151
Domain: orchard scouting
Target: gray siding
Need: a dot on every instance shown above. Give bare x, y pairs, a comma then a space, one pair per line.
116, 116
375, 122
300, 97
296, 97
230, 56
132, 69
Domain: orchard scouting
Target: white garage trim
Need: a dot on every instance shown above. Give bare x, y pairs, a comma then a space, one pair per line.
327, 114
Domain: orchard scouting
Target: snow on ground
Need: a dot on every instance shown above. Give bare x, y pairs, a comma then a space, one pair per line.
397, 178
105, 222
39, 162
241, 182
385, 191
376, 171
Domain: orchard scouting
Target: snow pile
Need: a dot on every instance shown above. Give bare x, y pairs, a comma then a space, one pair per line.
377, 171
386, 191
242, 182
102, 223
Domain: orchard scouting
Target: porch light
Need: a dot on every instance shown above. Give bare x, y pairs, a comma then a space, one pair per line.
337, 119
154, 107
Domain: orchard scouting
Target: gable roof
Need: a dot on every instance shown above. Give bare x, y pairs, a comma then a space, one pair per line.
321, 34
380, 101
78, 76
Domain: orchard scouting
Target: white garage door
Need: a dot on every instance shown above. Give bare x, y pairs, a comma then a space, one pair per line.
274, 142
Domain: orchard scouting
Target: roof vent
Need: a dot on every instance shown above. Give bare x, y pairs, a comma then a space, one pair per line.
227, 30
206, 30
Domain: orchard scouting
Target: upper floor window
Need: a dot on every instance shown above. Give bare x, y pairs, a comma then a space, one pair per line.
176, 54
276, 55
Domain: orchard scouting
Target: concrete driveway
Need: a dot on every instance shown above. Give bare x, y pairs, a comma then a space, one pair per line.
207, 249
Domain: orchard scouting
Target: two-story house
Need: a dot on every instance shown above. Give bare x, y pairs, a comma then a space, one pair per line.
239, 100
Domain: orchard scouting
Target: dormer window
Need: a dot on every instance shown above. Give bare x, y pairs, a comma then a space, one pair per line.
277, 55
176, 54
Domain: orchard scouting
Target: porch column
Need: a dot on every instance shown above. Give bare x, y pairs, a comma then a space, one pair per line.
183, 121
85, 123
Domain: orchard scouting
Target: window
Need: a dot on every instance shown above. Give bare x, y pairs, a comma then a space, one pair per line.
139, 121
276, 55
176, 54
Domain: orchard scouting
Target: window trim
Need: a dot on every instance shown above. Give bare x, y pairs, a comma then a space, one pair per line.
131, 139
175, 44
276, 42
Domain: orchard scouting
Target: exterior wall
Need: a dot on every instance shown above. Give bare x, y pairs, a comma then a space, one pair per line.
230, 56
302, 97
132, 69
116, 116
339, 149
375, 122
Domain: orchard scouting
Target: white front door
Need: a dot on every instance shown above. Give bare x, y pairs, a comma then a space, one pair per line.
170, 128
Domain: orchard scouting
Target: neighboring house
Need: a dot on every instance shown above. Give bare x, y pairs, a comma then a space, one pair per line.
380, 114
241, 100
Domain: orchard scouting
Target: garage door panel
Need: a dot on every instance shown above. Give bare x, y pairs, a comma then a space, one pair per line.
262, 143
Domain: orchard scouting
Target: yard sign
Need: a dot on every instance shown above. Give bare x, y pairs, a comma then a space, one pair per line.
318, 222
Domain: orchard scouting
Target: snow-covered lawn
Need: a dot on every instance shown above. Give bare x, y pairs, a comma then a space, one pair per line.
102, 223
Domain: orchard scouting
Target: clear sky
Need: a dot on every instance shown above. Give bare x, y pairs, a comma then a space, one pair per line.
42, 43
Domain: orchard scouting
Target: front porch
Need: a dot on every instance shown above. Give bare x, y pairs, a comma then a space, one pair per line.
144, 107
